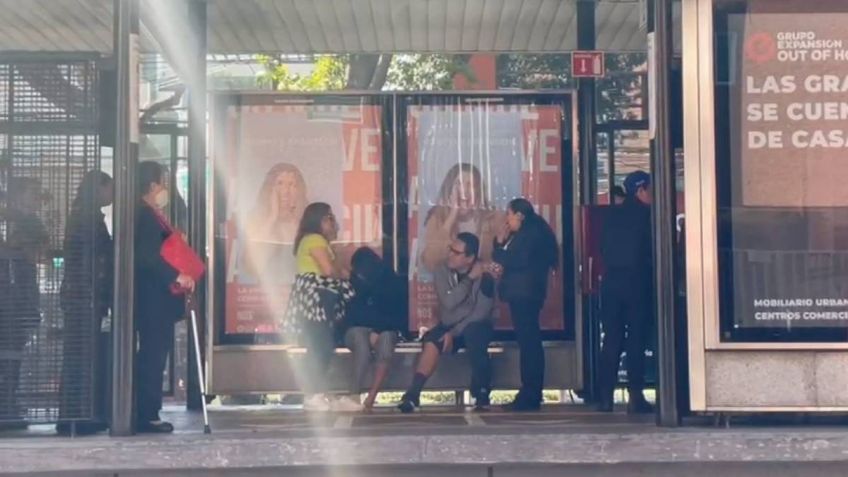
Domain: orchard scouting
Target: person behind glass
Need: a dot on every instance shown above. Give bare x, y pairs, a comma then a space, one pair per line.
27, 240
466, 295
159, 297
626, 293
317, 302
618, 195
374, 318
525, 253
86, 297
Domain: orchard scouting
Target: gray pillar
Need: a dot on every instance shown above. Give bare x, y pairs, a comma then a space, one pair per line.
197, 176
125, 158
662, 165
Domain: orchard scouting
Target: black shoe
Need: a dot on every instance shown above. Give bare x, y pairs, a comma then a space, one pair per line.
639, 406
605, 405
408, 403
82, 428
523, 405
156, 427
482, 403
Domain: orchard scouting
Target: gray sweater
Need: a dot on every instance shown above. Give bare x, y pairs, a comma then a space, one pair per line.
461, 303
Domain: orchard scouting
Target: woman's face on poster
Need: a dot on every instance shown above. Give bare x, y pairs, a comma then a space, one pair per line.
466, 191
287, 191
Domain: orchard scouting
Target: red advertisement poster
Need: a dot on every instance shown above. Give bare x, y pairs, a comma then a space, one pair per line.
278, 158
465, 163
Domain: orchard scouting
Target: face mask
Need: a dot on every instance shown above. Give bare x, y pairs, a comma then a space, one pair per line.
162, 198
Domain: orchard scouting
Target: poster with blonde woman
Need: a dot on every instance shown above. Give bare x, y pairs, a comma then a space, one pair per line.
272, 225
464, 206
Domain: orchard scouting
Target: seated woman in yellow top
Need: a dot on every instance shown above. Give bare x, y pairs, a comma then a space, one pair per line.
317, 302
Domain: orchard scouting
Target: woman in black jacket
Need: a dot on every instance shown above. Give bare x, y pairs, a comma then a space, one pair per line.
159, 297
525, 252
86, 297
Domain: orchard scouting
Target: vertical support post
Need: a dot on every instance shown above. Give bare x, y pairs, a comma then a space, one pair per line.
197, 178
586, 105
662, 165
126, 154
586, 121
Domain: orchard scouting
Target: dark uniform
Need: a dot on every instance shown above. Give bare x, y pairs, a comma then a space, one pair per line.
626, 298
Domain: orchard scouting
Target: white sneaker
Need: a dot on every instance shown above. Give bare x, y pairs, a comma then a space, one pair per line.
316, 403
346, 404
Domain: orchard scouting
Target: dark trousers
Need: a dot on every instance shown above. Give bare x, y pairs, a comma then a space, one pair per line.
476, 337
85, 366
625, 315
155, 339
525, 319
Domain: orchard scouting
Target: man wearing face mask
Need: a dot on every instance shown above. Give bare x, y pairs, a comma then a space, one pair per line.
159, 297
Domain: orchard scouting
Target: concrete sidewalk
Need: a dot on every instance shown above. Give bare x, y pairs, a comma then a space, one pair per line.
556, 442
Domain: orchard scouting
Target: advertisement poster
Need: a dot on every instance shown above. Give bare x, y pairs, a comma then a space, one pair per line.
278, 159
465, 163
789, 137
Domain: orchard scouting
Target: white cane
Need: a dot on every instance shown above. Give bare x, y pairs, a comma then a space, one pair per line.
201, 376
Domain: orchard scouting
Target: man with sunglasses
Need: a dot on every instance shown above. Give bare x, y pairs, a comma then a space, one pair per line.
466, 295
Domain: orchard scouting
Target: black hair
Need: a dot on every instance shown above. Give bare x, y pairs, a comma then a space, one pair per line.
310, 223
532, 220
148, 172
618, 191
472, 243
88, 191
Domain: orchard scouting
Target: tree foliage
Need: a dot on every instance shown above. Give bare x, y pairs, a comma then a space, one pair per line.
426, 72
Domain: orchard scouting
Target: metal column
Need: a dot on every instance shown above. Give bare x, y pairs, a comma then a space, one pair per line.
586, 105
662, 168
586, 122
197, 176
125, 158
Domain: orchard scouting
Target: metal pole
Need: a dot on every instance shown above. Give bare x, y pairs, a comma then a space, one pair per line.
125, 158
197, 180
586, 105
588, 159
662, 166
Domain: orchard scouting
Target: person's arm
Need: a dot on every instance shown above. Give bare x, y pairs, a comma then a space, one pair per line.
450, 298
514, 255
322, 257
437, 238
148, 243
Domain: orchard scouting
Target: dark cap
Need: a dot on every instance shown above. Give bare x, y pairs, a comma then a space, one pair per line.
635, 181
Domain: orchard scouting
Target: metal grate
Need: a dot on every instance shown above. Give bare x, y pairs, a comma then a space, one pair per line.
48, 142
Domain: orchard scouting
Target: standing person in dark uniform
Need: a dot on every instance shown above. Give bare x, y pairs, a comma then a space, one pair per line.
27, 240
157, 307
627, 293
525, 253
86, 297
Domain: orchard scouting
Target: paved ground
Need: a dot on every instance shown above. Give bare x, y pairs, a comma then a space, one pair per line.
560, 441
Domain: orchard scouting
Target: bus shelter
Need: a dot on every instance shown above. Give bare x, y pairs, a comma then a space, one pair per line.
558, 130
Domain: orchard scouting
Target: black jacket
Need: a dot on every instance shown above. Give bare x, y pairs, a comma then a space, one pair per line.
527, 258
626, 243
155, 305
379, 302
89, 264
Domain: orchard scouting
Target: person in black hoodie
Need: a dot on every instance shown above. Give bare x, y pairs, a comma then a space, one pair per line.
373, 319
86, 297
626, 292
525, 253
159, 297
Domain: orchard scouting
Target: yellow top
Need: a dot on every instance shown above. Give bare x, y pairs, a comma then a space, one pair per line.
305, 262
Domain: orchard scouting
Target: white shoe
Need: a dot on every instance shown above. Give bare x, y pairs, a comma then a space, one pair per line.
346, 404
316, 403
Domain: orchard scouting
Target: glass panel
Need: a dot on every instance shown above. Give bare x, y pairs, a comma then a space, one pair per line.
603, 166
781, 168
467, 158
632, 153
